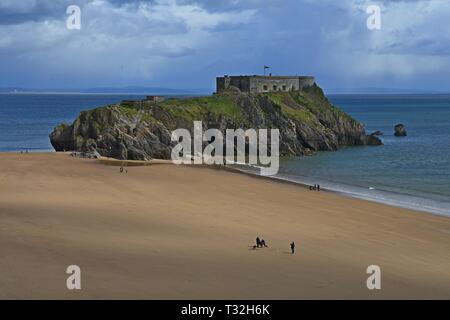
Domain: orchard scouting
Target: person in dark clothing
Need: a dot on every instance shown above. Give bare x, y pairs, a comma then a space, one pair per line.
258, 242
263, 243
318, 187
292, 247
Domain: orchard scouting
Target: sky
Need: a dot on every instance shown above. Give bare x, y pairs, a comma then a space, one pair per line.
185, 44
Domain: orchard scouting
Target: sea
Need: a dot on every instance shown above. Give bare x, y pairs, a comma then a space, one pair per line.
411, 172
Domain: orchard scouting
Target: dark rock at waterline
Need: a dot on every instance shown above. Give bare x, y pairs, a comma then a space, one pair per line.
400, 130
141, 130
373, 140
377, 133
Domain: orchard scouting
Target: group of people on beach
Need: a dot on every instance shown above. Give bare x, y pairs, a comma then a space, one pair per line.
315, 188
261, 243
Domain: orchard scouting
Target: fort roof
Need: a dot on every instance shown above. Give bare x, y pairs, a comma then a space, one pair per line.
269, 77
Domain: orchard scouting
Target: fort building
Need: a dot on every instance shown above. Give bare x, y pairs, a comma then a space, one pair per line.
258, 84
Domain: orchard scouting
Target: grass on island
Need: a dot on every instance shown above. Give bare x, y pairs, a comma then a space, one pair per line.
305, 107
199, 107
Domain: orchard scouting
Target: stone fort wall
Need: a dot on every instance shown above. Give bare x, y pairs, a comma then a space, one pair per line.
264, 84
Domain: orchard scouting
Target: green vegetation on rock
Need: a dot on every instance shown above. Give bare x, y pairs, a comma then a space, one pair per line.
196, 108
141, 130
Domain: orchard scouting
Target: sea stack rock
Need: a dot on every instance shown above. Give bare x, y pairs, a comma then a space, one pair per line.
400, 130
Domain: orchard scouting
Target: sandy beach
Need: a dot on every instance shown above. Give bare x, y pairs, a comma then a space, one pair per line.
172, 232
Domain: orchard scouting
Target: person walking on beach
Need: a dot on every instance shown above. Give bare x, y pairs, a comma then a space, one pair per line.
318, 187
292, 247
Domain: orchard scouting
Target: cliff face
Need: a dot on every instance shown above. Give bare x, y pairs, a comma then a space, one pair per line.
142, 130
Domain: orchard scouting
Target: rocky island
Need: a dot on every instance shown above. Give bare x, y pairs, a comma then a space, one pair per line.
141, 130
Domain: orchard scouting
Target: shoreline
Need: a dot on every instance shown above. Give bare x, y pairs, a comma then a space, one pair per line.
388, 200
283, 179
303, 184
348, 194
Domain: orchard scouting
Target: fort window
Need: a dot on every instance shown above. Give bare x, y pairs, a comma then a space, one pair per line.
265, 88
274, 88
284, 88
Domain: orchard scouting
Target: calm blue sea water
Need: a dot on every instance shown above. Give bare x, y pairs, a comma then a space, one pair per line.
411, 172
26, 120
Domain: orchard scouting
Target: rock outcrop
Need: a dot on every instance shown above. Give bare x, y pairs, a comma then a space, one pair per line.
400, 130
142, 130
373, 140
377, 133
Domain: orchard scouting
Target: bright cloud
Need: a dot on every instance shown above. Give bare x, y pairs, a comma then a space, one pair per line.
180, 43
